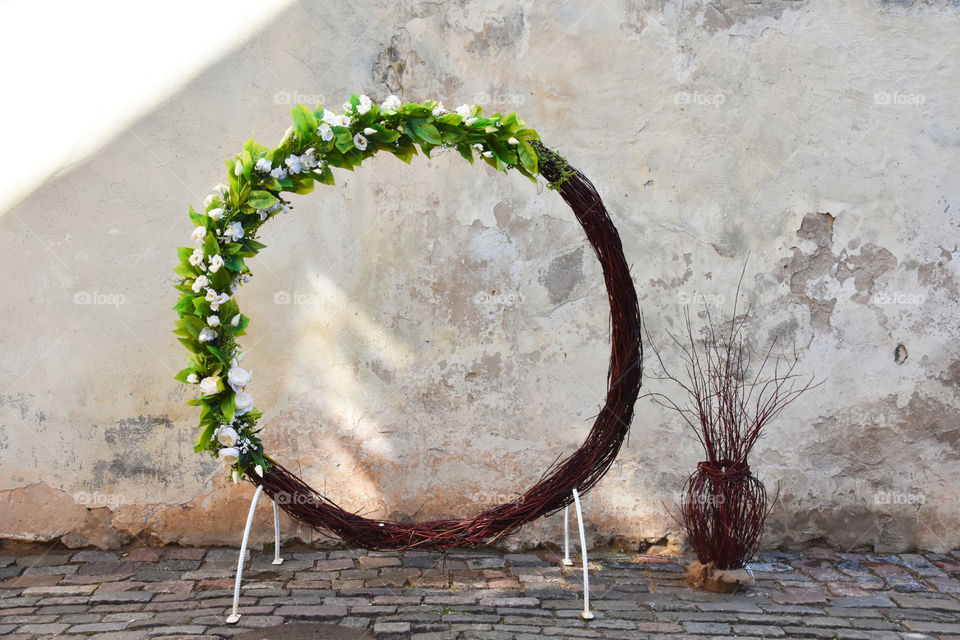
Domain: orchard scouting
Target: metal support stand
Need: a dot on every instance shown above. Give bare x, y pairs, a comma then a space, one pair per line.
586, 614
235, 615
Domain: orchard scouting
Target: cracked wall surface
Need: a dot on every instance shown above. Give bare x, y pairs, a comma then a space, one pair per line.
427, 340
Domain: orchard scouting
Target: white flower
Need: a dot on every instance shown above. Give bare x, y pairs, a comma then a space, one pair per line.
235, 285
263, 165
308, 160
215, 214
234, 231
463, 110
245, 278
192, 378
238, 356
238, 378
258, 470
513, 141
342, 121
438, 110
213, 321
200, 283
229, 455
391, 104
215, 263
364, 105
325, 132
369, 131
208, 386
207, 335
222, 189
227, 436
235, 321
279, 173
243, 402
487, 154
360, 142
216, 299
347, 107
199, 234
196, 259
470, 121
330, 117
208, 201
238, 169
293, 164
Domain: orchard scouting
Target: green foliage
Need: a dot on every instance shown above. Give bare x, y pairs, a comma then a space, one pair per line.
253, 196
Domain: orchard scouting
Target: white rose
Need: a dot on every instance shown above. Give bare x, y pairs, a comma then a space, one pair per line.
229, 455
488, 154
215, 263
196, 259
369, 131
329, 117
438, 110
360, 142
208, 200
263, 165
200, 283
227, 436
342, 121
239, 378
213, 321
364, 105
192, 378
279, 173
293, 164
208, 386
513, 141
218, 299
235, 321
391, 104
215, 214
470, 121
207, 335
325, 132
199, 234
463, 110
258, 470
238, 169
243, 402
234, 231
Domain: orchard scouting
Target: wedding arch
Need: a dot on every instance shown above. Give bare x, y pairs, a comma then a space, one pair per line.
225, 238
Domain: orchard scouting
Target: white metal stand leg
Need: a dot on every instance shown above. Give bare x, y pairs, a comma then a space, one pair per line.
235, 614
567, 562
586, 614
276, 535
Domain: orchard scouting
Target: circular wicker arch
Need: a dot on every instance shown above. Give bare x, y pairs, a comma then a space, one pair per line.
580, 471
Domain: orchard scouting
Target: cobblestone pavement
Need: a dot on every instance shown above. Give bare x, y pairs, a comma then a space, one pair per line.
185, 593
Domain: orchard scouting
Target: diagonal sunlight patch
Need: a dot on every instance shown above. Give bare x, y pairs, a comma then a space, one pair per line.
78, 74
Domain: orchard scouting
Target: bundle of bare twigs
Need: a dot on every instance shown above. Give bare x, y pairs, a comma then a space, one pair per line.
581, 470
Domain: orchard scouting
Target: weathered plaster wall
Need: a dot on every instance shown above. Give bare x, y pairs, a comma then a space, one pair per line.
428, 340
